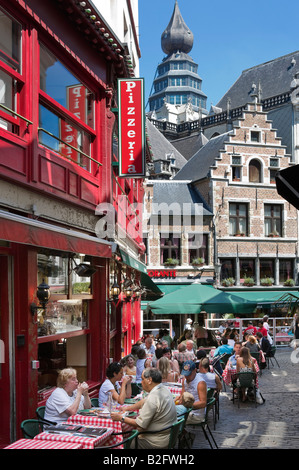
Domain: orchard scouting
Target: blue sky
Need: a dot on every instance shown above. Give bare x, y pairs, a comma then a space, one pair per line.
229, 36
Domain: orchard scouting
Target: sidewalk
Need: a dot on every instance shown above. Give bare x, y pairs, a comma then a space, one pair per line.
273, 425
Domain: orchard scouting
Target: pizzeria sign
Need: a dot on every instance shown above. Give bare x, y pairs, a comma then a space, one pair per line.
131, 127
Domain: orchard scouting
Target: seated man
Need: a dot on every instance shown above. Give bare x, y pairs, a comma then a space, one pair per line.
157, 412
195, 385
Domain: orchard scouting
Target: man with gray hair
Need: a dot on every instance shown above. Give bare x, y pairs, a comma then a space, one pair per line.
158, 411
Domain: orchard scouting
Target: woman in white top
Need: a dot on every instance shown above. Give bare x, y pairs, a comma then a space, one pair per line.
68, 398
116, 385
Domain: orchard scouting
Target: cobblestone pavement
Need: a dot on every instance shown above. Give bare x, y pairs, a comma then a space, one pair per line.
273, 425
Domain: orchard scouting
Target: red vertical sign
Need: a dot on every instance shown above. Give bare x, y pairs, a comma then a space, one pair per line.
131, 127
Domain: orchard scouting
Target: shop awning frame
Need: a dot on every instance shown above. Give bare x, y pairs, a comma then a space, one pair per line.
18, 229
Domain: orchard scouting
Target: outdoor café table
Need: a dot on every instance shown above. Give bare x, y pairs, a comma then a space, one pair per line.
37, 444
86, 441
229, 372
116, 426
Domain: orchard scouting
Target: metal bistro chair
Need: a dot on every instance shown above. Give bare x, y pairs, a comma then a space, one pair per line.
245, 380
40, 413
95, 402
257, 357
30, 428
173, 436
125, 442
270, 356
184, 439
204, 425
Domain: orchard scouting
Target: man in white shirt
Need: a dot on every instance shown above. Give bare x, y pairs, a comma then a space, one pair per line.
196, 385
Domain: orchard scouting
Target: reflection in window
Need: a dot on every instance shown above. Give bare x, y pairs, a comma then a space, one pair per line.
62, 86
64, 131
266, 268
247, 268
54, 270
227, 269
10, 41
8, 91
286, 270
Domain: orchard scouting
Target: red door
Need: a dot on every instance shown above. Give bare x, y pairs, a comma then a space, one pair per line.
5, 396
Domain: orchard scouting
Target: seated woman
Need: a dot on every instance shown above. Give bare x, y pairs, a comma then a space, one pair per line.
252, 344
111, 386
142, 363
167, 374
130, 366
68, 398
245, 363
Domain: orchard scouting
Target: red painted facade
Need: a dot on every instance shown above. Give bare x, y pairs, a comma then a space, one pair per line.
37, 170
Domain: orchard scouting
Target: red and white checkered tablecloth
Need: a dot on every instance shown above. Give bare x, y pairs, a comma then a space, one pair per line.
229, 372
86, 441
39, 444
117, 426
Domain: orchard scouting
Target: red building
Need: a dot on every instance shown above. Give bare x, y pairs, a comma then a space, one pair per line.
59, 65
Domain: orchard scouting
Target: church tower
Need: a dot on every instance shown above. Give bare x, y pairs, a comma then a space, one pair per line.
177, 96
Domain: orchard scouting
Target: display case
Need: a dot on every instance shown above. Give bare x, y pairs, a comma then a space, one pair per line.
63, 316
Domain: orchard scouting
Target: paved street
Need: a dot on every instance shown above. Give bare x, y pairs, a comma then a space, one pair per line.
273, 425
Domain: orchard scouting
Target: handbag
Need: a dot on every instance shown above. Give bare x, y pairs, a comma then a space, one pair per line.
259, 397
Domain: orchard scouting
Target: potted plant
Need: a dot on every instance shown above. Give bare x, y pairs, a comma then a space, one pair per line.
228, 282
248, 281
289, 282
171, 262
197, 261
267, 281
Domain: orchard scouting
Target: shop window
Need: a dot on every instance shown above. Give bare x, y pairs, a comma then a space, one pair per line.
247, 268
11, 79
286, 270
273, 218
67, 309
170, 249
238, 223
267, 268
66, 111
255, 172
198, 248
227, 269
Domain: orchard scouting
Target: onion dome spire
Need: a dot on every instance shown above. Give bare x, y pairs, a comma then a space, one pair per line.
177, 36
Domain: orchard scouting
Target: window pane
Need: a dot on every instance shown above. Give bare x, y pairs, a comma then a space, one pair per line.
10, 41
247, 268
267, 227
53, 269
64, 130
242, 225
7, 97
227, 269
285, 270
65, 88
266, 268
242, 210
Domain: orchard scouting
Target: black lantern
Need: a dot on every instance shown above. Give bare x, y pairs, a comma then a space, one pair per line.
115, 290
43, 295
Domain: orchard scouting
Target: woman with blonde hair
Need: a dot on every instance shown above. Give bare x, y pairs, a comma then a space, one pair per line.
245, 363
165, 368
252, 344
68, 398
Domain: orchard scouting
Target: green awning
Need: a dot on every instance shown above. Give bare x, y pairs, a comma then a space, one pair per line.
186, 300
147, 282
132, 262
197, 298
